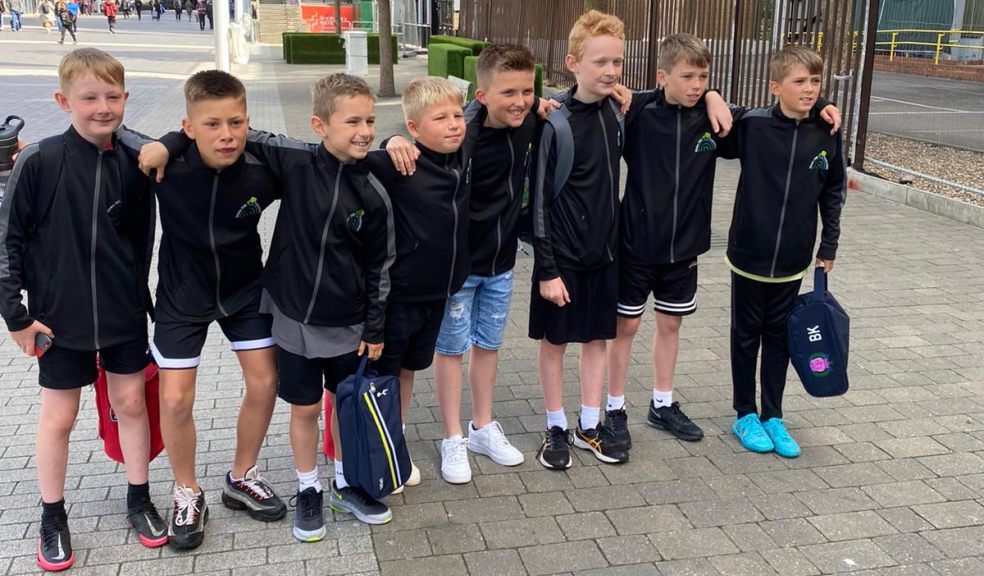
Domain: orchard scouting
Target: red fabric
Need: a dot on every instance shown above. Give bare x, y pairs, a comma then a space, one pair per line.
109, 429
328, 445
109, 8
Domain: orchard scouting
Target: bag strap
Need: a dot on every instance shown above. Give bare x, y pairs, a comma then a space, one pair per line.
819, 282
362, 367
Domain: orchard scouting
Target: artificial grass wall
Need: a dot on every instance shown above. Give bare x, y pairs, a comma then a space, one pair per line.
445, 60
476, 46
307, 48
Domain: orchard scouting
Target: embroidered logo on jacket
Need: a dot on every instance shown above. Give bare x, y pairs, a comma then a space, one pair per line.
706, 143
354, 220
820, 162
250, 208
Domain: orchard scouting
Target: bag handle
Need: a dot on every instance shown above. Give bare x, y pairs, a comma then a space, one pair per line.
362, 367
819, 282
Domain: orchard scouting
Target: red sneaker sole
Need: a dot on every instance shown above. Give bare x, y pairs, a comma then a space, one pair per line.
54, 566
153, 542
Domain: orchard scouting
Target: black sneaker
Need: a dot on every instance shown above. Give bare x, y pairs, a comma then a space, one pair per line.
602, 443
309, 519
148, 523
359, 503
254, 495
55, 544
618, 422
188, 520
554, 453
673, 420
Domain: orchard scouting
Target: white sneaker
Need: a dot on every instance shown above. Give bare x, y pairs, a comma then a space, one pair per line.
454, 460
491, 441
412, 481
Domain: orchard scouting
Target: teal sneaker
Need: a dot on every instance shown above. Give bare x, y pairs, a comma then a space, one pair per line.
784, 444
749, 430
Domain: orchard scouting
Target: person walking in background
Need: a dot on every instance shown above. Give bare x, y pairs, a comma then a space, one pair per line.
177, 9
208, 13
67, 15
16, 9
200, 12
139, 5
110, 8
126, 6
46, 13
189, 7
156, 14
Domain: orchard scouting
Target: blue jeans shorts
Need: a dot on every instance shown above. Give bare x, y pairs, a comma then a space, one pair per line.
476, 315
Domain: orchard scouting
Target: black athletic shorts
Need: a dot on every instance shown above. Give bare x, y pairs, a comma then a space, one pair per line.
63, 369
673, 286
303, 381
589, 316
410, 336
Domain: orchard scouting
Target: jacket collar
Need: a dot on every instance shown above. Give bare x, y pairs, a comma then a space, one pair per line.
73, 136
778, 115
194, 159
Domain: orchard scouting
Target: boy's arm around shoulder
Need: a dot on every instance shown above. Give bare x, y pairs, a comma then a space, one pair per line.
379, 238
278, 152
831, 202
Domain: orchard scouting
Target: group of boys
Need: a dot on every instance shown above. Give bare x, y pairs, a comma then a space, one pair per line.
404, 256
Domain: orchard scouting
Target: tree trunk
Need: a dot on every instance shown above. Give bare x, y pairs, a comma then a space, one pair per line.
386, 84
338, 16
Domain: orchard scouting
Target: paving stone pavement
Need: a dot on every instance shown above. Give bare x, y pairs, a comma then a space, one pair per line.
891, 480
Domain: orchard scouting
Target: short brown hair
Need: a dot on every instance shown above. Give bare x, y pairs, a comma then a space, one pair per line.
82, 60
503, 58
213, 85
683, 49
783, 61
324, 92
591, 24
427, 91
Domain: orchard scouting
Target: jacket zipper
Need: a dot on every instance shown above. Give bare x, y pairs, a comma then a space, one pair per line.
211, 239
454, 236
324, 240
785, 200
92, 250
676, 193
512, 196
611, 177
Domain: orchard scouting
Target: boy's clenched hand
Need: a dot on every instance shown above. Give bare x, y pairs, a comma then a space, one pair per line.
827, 265
555, 291
623, 96
831, 115
375, 350
25, 338
153, 156
718, 113
403, 154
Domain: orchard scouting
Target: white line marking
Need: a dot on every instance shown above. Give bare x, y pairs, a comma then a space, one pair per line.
883, 99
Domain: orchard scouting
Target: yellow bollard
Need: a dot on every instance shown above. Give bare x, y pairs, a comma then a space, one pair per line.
891, 53
939, 43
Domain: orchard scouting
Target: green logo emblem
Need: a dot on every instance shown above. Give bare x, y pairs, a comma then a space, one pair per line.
706, 143
820, 162
250, 208
354, 220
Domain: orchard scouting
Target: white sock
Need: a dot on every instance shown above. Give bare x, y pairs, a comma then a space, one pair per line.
340, 475
616, 402
307, 480
556, 418
662, 399
590, 417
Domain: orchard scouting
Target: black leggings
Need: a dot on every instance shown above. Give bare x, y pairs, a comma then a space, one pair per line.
70, 28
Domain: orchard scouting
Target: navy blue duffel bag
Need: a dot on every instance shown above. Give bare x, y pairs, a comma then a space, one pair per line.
819, 336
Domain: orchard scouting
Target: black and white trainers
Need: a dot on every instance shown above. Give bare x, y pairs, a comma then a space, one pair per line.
357, 502
555, 453
618, 422
309, 519
55, 544
254, 495
672, 419
601, 441
148, 523
188, 519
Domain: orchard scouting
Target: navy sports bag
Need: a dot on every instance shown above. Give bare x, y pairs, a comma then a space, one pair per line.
371, 430
819, 335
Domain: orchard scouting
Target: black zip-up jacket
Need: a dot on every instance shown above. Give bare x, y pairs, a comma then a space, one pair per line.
666, 209
500, 176
81, 249
578, 229
430, 209
790, 171
334, 241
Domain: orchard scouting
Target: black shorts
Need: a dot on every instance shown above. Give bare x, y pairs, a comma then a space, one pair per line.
63, 369
303, 381
673, 286
178, 343
589, 316
410, 336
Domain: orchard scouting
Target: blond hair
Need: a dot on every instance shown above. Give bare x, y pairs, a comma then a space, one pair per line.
428, 91
784, 60
683, 49
590, 25
502, 58
324, 92
92, 60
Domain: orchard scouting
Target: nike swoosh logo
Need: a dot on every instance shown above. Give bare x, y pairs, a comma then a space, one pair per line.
154, 531
61, 550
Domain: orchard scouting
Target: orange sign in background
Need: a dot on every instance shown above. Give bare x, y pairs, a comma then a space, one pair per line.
321, 18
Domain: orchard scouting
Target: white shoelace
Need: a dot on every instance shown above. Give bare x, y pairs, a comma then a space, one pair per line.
184, 504
456, 452
253, 481
497, 437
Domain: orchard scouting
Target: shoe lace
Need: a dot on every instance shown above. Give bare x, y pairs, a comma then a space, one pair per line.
51, 529
456, 451
746, 425
605, 433
776, 427
185, 506
557, 438
255, 485
307, 502
497, 437
146, 507
618, 418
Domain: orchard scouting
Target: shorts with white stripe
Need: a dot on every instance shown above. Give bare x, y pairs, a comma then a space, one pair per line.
673, 286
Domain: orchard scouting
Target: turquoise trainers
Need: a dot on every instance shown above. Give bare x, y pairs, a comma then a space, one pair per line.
784, 444
749, 430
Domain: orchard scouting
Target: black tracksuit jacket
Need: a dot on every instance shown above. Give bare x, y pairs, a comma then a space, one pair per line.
791, 170
500, 178
430, 209
334, 241
578, 230
82, 249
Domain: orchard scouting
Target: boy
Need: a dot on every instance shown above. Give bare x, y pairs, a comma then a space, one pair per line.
76, 231
327, 280
791, 168
210, 270
665, 222
431, 213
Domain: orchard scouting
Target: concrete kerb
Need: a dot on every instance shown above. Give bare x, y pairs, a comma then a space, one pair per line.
952, 208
